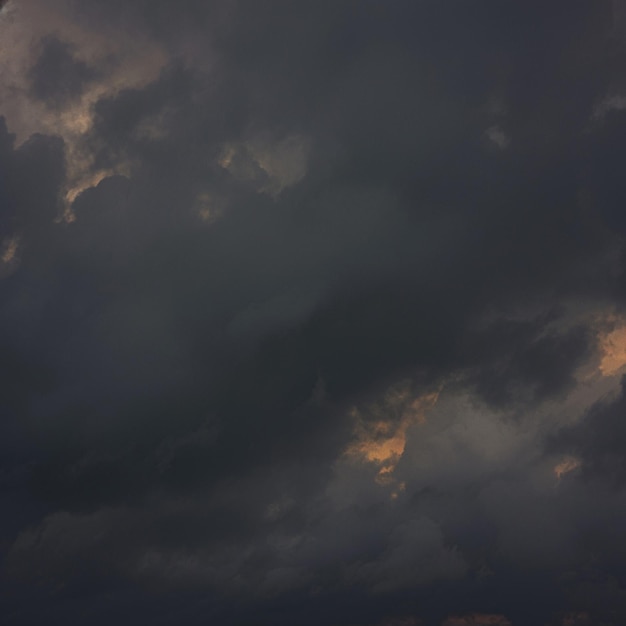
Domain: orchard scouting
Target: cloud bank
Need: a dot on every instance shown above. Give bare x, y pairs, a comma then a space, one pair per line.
312, 313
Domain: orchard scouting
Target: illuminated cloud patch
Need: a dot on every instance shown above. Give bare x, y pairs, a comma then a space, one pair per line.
567, 465
380, 429
613, 348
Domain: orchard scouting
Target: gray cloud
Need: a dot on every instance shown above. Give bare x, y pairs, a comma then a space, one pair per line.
303, 309
57, 76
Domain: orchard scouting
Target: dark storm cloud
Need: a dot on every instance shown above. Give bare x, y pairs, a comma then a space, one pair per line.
599, 440
57, 76
321, 200
526, 364
32, 177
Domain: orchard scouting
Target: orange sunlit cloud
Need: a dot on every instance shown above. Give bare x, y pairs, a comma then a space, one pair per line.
566, 465
9, 257
9, 249
25, 25
613, 349
383, 440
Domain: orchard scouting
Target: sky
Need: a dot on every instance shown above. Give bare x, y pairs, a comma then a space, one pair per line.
313, 312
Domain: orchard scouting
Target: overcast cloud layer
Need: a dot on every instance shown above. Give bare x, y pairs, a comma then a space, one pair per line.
313, 312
